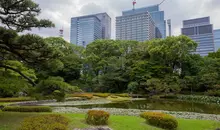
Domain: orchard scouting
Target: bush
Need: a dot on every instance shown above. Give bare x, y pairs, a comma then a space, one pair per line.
45, 122
83, 95
215, 93
27, 109
59, 96
20, 99
199, 99
161, 120
169, 96
104, 95
95, 117
122, 95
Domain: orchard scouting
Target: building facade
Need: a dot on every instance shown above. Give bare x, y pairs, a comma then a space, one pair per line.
86, 29
201, 31
156, 14
139, 27
217, 39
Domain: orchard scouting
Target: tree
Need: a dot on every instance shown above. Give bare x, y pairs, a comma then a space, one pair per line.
29, 49
21, 15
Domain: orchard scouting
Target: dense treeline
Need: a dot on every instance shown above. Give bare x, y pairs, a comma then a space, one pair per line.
51, 67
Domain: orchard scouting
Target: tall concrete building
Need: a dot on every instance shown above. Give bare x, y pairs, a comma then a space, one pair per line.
201, 31
86, 29
217, 39
141, 24
139, 27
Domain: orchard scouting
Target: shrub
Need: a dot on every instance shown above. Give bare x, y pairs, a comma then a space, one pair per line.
59, 96
27, 109
96, 117
199, 99
122, 95
215, 93
161, 120
104, 95
20, 99
45, 122
83, 95
169, 96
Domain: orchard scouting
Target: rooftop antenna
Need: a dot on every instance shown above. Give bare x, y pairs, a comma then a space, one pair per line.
134, 3
162, 2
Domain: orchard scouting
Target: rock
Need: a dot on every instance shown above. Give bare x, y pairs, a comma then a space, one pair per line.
99, 128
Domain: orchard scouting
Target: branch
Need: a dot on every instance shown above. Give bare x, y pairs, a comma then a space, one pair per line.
19, 72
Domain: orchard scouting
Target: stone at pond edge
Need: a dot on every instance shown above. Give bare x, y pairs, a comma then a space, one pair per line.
100, 128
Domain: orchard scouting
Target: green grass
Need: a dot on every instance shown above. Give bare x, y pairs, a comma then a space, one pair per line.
11, 121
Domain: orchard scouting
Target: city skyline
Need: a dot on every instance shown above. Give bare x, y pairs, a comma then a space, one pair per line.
60, 12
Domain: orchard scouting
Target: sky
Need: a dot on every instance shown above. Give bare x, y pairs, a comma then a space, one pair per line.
61, 11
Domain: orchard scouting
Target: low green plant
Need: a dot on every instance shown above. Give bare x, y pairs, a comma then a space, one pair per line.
104, 95
27, 109
199, 99
169, 96
18, 99
161, 120
122, 95
215, 93
45, 122
96, 117
83, 95
59, 96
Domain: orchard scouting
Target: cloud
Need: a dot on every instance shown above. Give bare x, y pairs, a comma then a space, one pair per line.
61, 11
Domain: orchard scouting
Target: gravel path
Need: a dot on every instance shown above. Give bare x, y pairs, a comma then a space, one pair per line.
136, 112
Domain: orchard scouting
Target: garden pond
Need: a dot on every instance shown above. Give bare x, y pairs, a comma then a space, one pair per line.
149, 104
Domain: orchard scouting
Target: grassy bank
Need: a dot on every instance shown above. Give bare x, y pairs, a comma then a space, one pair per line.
11, 121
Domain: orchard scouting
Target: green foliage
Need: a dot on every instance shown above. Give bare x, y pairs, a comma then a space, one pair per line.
199, 99
59, 96
27, 109
160, 120
47, 87
104, 95
22, 15
19, 99
83, 95
95, 117
45, 122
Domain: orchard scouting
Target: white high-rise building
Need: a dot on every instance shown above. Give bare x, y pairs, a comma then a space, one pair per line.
139, 27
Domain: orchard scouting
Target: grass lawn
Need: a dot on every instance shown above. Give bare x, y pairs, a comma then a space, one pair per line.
11, 121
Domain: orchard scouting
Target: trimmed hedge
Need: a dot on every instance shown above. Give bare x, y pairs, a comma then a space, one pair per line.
96, 117
161, 120
45, 122
19, 99
27, 109
83, 95
104, 95
122, 95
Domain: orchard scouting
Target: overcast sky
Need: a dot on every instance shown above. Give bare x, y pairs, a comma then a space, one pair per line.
61, 11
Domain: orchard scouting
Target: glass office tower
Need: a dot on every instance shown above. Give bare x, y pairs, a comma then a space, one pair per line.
156, 14
86, 29
201, 31
217, 39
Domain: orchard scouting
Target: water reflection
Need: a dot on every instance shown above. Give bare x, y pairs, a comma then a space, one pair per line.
169, 105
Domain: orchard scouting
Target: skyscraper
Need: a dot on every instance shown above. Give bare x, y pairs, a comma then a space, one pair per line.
139, 27
86, 29
217, 39
201, 31
156, 16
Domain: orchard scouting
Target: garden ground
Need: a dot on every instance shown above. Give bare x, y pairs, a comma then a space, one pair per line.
11, 121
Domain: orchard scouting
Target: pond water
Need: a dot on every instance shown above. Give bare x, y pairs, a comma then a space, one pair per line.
165, 104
